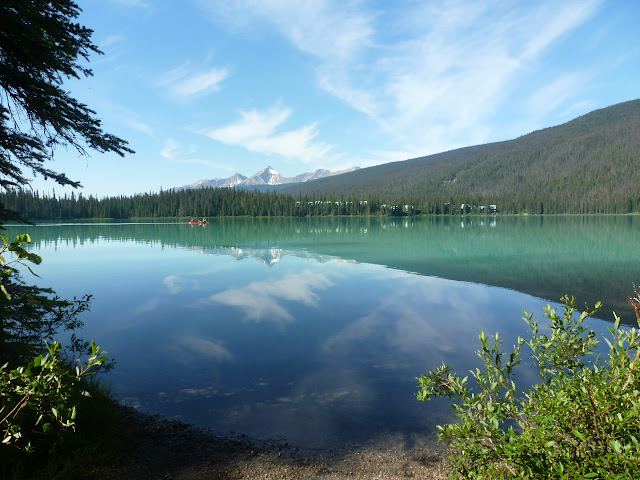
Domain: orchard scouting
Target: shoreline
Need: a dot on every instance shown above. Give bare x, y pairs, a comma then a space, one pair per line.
172, 450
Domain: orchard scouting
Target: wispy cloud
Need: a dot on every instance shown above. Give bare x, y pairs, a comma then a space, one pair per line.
432, 75
172, 150
323, 28
132, 3
110, 41
120, 114
139, 126
183, 82
201, 82
258, 132
552, 96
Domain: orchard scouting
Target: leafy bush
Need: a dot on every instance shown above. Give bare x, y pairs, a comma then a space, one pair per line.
39, 401
581, 421
31, 315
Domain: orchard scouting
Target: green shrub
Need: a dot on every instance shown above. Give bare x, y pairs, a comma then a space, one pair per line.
38, 402
581, 421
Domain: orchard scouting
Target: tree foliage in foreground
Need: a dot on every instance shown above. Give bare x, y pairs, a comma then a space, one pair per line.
41, 46
579, 422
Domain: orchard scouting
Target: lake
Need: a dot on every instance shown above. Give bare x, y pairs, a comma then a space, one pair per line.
312, 331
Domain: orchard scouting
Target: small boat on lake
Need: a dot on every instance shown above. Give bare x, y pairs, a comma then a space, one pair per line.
198, 222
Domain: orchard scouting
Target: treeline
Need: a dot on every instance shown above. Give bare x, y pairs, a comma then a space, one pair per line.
208, 202
229, 202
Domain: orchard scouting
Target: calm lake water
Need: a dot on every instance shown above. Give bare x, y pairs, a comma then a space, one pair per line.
312, 331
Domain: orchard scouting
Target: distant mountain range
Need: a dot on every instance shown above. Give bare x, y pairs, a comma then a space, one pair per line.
265, 177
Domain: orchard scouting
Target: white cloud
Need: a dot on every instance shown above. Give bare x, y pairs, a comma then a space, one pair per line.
257, 132
555, 94
324, 28
552, 22
140, 126
201, 82
132, 3
110, 41
183, 82
253, 126
173, 150
170, 149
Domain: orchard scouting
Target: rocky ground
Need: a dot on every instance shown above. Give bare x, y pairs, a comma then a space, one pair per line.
170, 450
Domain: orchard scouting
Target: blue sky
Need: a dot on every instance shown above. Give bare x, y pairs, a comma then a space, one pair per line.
204, 88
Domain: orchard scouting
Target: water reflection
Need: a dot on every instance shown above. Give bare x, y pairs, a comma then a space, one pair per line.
191, 348
314, 330
265, 300
585, 256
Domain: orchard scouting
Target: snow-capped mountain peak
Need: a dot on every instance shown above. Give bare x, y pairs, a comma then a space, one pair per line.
266, 176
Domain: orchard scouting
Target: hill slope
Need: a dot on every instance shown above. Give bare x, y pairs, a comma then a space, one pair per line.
590, 164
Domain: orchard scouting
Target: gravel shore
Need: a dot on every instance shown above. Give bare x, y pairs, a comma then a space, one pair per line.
171, 450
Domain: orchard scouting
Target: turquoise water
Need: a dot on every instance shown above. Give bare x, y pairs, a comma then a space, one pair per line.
312, 331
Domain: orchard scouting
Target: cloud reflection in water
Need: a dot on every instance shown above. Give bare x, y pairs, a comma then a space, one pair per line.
192, 346
263, 300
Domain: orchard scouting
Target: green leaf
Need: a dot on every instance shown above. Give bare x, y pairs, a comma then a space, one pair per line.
19, 251
617, 446
48, 428
4, 291
31, 271
24, 238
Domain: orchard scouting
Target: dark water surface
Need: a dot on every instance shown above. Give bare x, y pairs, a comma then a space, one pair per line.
312, 331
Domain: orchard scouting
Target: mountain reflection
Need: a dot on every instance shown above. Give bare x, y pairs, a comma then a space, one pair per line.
268, 256
546, 256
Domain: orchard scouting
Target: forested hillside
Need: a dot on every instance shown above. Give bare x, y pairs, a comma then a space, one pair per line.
588, 165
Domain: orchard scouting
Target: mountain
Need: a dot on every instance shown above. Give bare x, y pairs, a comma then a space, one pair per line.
232, 181
265, 177
588, 165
